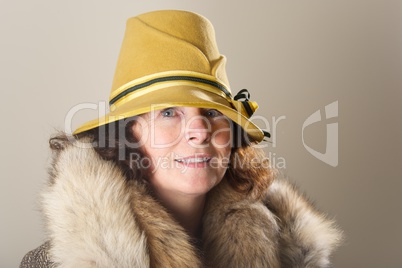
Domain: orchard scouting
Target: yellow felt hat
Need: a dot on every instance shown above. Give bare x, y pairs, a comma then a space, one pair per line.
170, 58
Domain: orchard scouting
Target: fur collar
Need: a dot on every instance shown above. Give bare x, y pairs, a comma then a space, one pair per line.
95, 218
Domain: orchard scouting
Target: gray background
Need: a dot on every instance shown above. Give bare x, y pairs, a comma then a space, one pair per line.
294, 56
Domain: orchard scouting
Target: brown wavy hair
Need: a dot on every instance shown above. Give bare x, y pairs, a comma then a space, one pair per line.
249, 171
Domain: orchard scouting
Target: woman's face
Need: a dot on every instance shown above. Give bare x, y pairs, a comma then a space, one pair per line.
189, 148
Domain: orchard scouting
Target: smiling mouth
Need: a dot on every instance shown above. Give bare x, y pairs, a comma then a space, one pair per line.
193, 160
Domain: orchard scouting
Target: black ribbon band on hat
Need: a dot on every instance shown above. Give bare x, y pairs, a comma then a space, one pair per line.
169, 78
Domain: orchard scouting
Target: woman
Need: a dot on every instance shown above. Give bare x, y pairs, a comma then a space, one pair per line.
170, 177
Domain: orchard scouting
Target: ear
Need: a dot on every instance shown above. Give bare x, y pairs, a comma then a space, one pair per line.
59, 143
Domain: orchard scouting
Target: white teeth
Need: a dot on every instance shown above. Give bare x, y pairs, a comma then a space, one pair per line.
193, 160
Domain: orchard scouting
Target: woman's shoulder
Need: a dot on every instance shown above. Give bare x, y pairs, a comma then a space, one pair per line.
38, 258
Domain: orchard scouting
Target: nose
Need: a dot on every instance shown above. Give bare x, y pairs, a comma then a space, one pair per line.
198, 130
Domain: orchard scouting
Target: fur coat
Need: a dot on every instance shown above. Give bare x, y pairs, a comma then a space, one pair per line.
95, 218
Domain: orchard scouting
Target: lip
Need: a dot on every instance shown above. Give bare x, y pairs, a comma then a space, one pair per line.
194, 161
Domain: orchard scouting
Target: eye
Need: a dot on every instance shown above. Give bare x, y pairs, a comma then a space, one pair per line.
213, 113
169, 112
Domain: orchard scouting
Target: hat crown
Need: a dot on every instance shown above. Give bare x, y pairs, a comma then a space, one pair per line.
166, 41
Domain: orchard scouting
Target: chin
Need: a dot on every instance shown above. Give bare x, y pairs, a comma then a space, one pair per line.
198, 187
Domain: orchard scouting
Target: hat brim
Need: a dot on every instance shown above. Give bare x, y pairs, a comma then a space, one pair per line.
180, 96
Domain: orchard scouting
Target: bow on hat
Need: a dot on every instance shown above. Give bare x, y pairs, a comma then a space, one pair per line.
243, 97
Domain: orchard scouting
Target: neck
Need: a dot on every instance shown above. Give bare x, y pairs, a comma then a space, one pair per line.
187, 210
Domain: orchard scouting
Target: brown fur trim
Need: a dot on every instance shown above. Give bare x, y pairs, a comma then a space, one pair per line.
307, 238
96, 218
239, 232
168, 243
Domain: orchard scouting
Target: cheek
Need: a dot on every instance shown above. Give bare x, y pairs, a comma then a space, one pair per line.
156, 136
165, 137
222, 138
222, 142
141, 130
